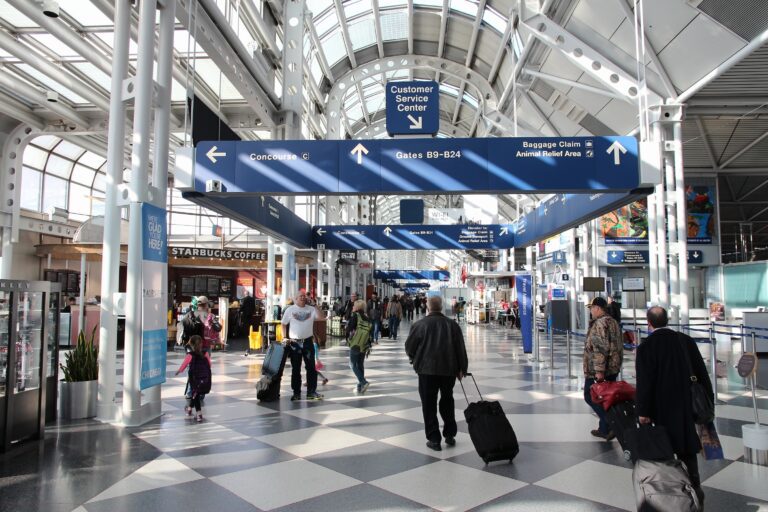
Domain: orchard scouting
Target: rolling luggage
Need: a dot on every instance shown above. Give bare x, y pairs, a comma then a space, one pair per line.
384, 329
621, 418
489, 429
268, 387
664, 486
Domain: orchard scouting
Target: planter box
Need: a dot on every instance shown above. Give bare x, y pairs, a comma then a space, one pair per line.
77, 400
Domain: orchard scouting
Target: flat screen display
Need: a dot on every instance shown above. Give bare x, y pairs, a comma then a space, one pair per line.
633, 284
593, 284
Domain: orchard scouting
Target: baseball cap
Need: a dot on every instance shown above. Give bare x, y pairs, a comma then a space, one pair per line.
202, 300
598, 301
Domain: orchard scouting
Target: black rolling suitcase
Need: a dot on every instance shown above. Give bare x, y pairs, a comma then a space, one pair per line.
489, 428
385, 329
622, 418
268, 388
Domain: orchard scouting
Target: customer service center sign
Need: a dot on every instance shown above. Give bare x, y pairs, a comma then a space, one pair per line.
154, 268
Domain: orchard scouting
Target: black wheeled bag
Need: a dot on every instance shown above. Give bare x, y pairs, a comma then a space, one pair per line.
621, 418
489, 429
272, 372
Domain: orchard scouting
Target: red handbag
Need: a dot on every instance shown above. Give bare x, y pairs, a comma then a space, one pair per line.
609, 393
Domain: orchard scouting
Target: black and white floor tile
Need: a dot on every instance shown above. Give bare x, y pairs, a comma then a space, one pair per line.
359, 453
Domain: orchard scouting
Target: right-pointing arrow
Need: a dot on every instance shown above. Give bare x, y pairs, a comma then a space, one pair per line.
617, 149
416, 124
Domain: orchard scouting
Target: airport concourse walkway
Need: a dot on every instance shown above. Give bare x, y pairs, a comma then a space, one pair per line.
359, 453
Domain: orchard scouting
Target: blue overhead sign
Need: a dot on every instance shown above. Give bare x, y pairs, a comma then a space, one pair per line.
429, 237
413, 107
641, 257
409, 275
422, 166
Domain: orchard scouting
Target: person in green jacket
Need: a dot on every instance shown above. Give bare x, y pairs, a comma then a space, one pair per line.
359, 331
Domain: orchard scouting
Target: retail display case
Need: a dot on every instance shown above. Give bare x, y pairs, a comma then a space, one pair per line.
29, 355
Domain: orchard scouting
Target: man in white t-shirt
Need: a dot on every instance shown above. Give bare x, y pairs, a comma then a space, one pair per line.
300, 319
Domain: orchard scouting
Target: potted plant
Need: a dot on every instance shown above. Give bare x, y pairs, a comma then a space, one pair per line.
79, 388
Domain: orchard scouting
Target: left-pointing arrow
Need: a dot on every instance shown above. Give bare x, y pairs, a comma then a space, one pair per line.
320, 231
212, 154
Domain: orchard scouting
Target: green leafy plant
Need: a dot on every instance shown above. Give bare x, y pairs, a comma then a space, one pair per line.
82, 363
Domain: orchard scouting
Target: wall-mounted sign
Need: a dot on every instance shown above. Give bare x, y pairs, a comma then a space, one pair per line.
221, 254
348, 255
633, 284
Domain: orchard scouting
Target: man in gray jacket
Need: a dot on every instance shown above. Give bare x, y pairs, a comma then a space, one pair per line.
435, 347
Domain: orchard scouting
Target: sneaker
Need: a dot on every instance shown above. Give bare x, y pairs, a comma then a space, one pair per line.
434, 446
295, 398
364, 388
314, 396
450, 441
199, 418
610, 436
325, 381
188, 410
597, 433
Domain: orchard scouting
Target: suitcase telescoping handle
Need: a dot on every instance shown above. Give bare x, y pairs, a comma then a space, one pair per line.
465, 393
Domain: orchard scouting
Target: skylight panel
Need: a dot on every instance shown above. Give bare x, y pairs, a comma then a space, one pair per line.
318, 6
14, 17
326, 23
465, 7
34, 157
58, 166
334, 49
95, 74
394, 26
352, 9
355, 113
362, 34
69, 150
53, 44
428, 3
85, 13
388, 4
46, 141
92, 160
495, 20
51, 84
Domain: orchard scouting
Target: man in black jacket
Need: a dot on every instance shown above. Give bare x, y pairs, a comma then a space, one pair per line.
374, 311
663, 388
435, 347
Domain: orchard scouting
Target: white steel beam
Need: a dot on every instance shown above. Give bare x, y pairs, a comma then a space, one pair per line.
585, 57
17, 110
411, 27
377, 27
345, 32
743, 150
578, 85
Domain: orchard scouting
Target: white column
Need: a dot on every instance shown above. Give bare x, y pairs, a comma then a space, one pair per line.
6, 263
671, 227
286, 274
139, 165
270, 278
332, 275
653, 255
682, 222
81, 298
320, 278
572, 292
353, 278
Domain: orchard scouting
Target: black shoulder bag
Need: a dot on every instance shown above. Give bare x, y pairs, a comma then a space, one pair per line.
701, 402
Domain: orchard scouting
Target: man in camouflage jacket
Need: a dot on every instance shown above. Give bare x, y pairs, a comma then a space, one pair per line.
603, 355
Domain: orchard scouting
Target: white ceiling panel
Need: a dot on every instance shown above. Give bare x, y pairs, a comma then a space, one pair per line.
664, 20
604, 17
619, 115
701, 47
556, 64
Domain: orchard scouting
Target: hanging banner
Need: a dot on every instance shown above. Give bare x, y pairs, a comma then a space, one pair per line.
523, 283
154, 334
627, 225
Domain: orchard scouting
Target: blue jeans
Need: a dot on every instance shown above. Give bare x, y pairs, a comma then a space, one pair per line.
356, 363
394, 322
603, 426
305, 351
376, 329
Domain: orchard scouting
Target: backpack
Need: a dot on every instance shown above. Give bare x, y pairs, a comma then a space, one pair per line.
191, 325
664, 486
199, 375
361, 338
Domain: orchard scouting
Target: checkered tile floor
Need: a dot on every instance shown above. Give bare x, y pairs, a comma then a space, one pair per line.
358, 453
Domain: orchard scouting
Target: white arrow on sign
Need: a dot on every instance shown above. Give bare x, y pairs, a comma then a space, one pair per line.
212, 154
696, 255
387, 230
320, 231
359, 150
504, 231
613, 254
617, 149
415, 123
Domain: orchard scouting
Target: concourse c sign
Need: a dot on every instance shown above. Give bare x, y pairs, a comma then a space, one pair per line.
413, 107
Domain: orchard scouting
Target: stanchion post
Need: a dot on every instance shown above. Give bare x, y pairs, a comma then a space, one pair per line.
713, 358
743, 342
568, 352
552, 349
754, 384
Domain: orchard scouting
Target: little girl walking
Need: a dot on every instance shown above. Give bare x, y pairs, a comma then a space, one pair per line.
199, 376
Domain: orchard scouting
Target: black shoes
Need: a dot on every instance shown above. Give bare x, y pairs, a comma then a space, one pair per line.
450, 441
434, 446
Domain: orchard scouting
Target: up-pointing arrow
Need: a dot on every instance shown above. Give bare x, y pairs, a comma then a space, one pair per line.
617, 149
320, 231
212, 154
416, 124
387, 230
504, 230
359, 150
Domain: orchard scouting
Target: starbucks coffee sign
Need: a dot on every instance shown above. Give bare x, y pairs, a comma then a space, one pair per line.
220, 254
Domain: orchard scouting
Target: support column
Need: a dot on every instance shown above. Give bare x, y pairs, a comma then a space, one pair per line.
138, 191
661, 238
653, 256
287, 251
572, 291
270, 295
81, 296
6, 263
353, 278
682, 222
320, 278
332, 275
